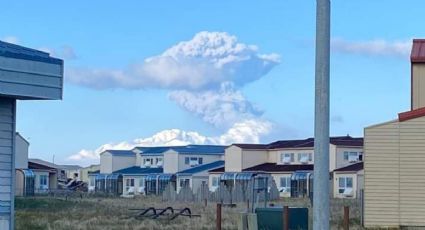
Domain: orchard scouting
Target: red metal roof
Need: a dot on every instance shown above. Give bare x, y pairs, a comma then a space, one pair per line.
418, 51
411, 114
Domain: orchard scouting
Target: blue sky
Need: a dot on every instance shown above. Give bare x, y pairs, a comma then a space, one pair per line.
105, 46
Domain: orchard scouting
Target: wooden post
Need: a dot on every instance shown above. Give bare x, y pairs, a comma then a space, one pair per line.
205, 202
285, 218
218, 220
247, 205
346, 218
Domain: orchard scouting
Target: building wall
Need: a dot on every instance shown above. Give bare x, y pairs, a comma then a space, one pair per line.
206, 159
339, 156
197, 181
171, 162
21, 158
7, 172
276, 177
418, 85
19, 183
37, 180
233, 159
275, 155
85, 171
137, 184
211, 175
253, 157
121, 162
155, 157
382, 175
336, 177
105, 163
20, 77
412, 171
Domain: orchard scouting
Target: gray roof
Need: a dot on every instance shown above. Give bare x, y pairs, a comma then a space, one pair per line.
43, 162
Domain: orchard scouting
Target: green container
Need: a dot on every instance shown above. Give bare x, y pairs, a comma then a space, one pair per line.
272, 218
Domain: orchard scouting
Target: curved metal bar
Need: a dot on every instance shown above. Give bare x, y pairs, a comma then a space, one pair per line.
163, 212
144, 213
183, 212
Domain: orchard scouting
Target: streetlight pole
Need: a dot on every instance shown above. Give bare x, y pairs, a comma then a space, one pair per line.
321, 118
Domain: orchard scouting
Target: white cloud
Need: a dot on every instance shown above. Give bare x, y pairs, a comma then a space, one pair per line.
220, 108
64, 52
247, 131
204, 62
10, 39
376, 47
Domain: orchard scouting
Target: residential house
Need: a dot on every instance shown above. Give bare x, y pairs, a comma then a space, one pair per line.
394, 172
24, 177
348, 181
84, 172
48, 176
72, 171
289, 162
149, 170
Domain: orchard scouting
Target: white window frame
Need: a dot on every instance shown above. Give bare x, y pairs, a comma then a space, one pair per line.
304, 155
286, 187
215, 181
284, 156
43, 182
128, 184
342, 188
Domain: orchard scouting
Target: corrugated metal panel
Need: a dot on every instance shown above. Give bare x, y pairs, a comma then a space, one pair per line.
7, 126
381, 169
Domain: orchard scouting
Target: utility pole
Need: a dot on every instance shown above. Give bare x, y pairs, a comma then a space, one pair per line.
321, 118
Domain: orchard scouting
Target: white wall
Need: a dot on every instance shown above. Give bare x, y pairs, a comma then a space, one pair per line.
233, 159
122, 162
105, 163
340, 162
206, 159
21, 157
171, 161
276, 177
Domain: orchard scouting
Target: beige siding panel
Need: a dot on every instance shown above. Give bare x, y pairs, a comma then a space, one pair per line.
412, 170
233, 159
381, 168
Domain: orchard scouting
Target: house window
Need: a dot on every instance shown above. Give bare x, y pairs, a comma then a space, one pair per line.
193, 161
43, 182
147, 162
303, 157
285, 184
310, 157
142, 182
287, 158
184, 183
92, 181
345, 184
159, 161
129, 185
214, 182
351, 156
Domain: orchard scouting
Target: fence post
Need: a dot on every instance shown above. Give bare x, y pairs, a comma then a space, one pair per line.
346, 218
247, 205
218, 220
205, 202
285, 218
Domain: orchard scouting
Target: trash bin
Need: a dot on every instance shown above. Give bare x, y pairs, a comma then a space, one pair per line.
272, 218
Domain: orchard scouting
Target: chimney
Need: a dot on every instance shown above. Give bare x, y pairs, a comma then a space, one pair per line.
417, 59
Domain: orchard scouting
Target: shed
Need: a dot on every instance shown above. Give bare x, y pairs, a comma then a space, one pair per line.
25, 74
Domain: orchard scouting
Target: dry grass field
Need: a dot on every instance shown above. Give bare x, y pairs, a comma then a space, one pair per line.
113, 213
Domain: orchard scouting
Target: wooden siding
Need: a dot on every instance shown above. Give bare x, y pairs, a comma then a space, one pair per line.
412, 172
381, 168
28, 79
7, 174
